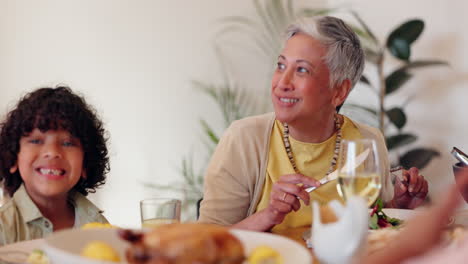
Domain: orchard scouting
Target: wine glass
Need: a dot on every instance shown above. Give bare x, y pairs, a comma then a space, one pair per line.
359, 170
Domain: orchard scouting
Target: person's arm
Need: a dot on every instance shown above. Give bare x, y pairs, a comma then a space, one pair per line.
229, 179
230, 182
284, 198
420, 233
259, 221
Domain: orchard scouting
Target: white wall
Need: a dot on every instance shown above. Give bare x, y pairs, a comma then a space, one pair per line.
134, 60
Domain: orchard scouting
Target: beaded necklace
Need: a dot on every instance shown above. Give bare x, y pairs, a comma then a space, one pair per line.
287, 146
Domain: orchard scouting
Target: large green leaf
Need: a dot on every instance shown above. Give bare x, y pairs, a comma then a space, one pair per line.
399, 140
395, 80
400, 48
418, 158
400, 76
423, 63
400, 40
397, 116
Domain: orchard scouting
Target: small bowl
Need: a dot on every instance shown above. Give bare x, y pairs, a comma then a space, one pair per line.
65, 246
457, 169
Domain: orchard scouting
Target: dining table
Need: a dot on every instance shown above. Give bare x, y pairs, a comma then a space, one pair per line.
19, 250
460, 219
296, 235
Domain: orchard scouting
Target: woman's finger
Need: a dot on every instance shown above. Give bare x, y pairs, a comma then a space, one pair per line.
287, 187
284, 197
424, 190
296, 205
299, 179
413, 179
417, 186
280, 206
293, 189
400, 188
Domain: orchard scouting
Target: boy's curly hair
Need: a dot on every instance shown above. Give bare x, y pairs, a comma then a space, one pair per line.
52, 109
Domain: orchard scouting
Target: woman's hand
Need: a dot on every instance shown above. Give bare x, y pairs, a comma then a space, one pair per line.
412, 191
285, 196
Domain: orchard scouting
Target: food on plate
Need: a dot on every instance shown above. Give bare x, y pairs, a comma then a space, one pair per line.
265, 255
96, 225
184, 243
379, 239
100, 251
37, 256
378, 219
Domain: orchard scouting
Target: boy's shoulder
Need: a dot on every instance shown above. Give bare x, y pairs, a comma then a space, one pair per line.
7, 207
8, 215
86, 210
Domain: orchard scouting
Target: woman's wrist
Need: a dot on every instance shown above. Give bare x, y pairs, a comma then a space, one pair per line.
260, 221
269, 218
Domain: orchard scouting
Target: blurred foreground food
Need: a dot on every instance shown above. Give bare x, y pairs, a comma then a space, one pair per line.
265, 255
184, 243
100, 251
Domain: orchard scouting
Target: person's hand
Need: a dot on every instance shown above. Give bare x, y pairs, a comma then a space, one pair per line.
286, 193
412, 191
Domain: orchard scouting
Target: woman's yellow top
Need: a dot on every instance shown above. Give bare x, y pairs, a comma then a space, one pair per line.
313, 160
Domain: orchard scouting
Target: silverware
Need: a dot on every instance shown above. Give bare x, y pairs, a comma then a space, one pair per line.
460, 156
334, 175
397, 173
322, 182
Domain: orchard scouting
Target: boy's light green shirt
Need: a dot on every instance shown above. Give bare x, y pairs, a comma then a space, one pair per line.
20, 219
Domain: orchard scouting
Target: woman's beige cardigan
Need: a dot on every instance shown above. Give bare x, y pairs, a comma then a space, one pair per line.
236, 173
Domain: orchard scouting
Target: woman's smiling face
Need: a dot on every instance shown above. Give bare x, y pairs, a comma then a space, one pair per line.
50, 163
301, 82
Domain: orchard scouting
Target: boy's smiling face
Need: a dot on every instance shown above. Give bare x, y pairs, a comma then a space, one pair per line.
50, 163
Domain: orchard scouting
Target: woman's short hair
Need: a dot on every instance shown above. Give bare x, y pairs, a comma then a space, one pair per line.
345, 57
52, 109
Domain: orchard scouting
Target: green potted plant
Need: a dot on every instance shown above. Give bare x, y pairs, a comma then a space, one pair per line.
398, 44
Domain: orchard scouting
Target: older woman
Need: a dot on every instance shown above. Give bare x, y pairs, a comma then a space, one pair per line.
262, 165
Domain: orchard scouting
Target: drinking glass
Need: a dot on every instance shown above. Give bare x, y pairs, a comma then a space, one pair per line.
359, 170
159, 211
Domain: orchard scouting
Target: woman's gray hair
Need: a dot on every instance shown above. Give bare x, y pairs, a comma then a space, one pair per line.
345, 57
